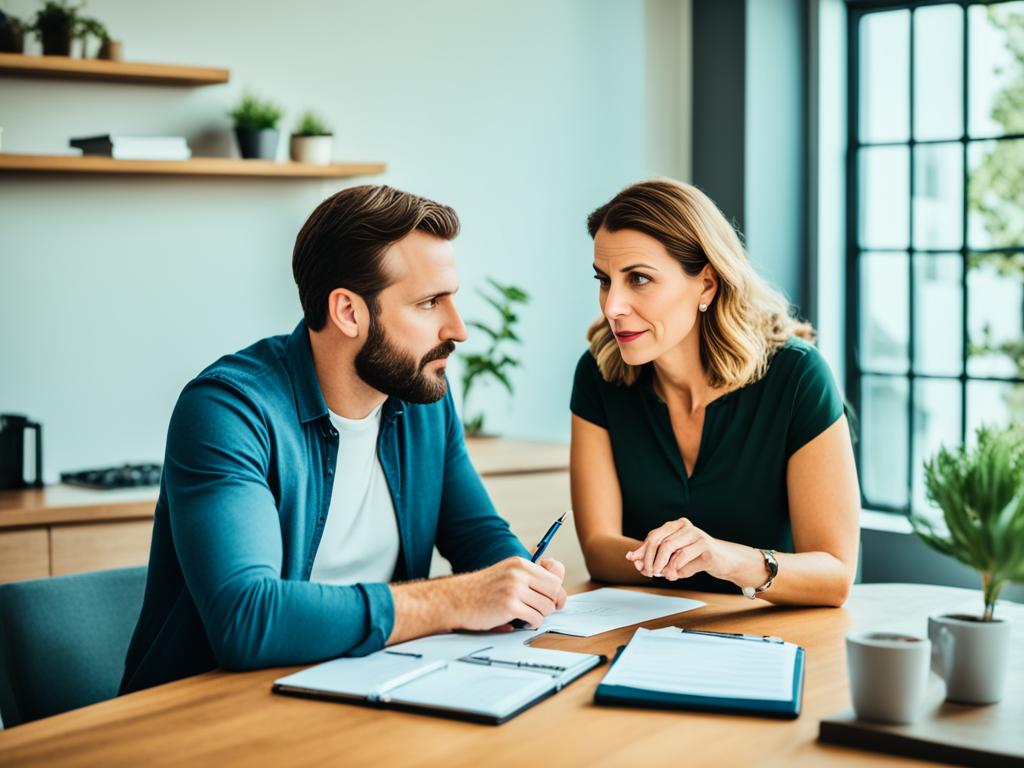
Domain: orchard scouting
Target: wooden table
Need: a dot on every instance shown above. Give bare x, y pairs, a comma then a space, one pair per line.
227, 719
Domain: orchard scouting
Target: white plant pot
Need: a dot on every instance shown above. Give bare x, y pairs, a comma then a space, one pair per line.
972, 656
312, 149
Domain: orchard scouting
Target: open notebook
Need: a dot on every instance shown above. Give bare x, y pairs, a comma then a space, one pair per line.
684, 669
463, 676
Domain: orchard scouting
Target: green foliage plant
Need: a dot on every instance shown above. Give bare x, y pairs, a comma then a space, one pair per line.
254, 113
980, 491
57, 18
310, 124
494, 362
90, 27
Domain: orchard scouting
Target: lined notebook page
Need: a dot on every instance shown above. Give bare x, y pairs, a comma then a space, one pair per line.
675, 662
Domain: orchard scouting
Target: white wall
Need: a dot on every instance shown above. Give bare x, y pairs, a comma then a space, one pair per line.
524, 117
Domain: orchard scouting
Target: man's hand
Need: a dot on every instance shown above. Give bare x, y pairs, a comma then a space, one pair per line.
514, 588
487, 599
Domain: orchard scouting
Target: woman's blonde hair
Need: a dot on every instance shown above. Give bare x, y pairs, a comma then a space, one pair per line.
747, 321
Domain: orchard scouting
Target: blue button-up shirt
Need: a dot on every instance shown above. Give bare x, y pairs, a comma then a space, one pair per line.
247, 482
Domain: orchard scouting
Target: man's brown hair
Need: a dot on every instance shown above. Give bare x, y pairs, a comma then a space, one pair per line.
342, 243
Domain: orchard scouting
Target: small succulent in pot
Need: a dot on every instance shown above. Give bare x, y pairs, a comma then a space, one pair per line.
256, 126
312, 140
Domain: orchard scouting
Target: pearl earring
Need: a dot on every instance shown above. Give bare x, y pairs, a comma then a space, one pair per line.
703, 307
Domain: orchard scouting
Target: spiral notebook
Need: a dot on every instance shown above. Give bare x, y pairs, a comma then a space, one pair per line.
673, 668
465, 677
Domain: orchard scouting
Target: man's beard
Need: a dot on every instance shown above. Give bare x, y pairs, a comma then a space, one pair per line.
388, 369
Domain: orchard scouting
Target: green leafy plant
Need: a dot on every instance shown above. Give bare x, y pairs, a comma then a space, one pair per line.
310, 124
56, 23
12, 33
494, 362
981, 494
90, 27
254, 113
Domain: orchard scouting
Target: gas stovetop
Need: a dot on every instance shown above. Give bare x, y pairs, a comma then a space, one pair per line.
107, 478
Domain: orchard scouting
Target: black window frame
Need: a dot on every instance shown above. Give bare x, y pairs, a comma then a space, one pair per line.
855, 371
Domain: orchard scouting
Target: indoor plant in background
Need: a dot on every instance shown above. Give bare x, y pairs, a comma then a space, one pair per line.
12, 34
56, 25
256, 127
494, 362
980, 491
94, 28
312, 140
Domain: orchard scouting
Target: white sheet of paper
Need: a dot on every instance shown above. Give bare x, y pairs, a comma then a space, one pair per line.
591, 613
675, 662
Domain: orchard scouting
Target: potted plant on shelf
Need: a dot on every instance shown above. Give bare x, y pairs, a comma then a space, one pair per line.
94, 28
12, 34
256, 127
980, 492
56, 25
494, 362
312, 140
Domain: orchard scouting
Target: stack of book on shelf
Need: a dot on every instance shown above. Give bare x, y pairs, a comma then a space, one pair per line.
134, 147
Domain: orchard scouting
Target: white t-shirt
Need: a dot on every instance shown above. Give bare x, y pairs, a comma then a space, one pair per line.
360, 539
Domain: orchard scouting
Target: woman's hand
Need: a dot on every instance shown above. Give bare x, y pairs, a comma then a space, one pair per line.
679, 549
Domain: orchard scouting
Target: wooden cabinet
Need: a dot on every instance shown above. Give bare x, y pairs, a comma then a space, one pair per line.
94, 546
24, 554
62, 529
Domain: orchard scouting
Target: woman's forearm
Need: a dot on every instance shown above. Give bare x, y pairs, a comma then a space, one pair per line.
605, 557
805, 578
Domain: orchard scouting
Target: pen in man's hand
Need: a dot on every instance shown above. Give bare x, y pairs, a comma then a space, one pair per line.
542, 546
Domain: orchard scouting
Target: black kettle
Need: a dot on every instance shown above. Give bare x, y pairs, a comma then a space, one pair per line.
12, 451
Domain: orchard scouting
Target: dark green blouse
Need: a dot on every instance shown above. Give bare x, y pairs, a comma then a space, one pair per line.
738, 488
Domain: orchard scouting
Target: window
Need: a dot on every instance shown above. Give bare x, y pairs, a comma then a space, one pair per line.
935, 231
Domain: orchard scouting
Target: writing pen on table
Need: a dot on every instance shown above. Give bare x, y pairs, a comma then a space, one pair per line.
734, 635
542, 546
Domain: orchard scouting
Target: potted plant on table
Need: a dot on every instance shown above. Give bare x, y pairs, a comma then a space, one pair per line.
56, 25
312, 140
256, 127
980, 491
494, 362
12, 34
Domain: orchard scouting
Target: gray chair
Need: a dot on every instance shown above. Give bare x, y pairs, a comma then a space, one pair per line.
63, 640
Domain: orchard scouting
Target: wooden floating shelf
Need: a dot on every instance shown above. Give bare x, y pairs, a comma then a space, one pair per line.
197, 166
67, 68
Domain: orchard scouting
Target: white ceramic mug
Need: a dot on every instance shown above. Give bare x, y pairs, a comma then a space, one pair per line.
888, 675
971, 656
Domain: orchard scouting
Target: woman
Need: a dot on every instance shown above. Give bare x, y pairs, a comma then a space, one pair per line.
709, 443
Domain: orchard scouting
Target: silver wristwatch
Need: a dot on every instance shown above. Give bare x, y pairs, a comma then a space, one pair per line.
773, 570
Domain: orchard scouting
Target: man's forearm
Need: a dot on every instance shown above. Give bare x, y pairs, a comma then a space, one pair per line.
425, 608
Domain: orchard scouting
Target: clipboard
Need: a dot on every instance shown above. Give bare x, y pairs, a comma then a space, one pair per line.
638, 696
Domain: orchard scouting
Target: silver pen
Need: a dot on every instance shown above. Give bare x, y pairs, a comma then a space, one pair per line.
734, 635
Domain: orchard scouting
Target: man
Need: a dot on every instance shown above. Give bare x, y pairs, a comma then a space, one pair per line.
306, 472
